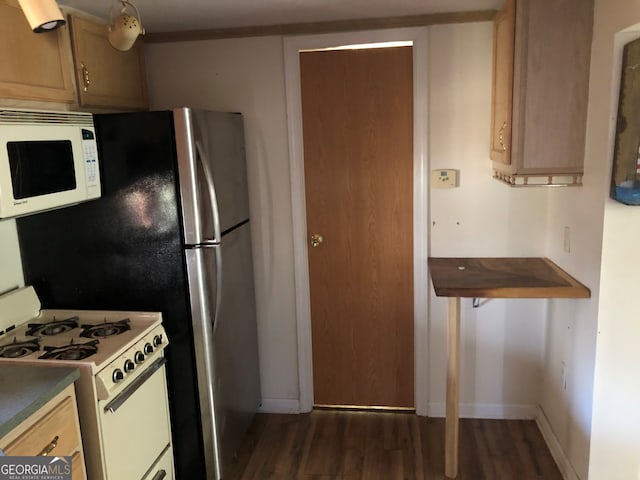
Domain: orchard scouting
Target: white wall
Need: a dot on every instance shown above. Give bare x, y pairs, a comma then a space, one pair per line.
502, 340
597, 431
247, 75
615, 433
10, 266
571, 334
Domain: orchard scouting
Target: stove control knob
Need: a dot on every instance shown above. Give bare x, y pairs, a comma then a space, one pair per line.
117, 375
139, 357
148, 348
157, 340
129, 366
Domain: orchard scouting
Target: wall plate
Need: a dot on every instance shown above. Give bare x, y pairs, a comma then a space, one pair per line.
444, 178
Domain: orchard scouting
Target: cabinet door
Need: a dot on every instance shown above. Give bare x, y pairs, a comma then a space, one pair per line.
551, 85
541, 84
56, 432
107, 77
53, 430
503, 41
33, 66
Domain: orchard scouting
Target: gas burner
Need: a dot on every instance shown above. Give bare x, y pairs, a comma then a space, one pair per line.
106, 329
73, 351
55, 327
17, 349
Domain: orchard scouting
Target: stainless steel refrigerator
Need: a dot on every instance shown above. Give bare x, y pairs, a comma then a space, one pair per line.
170, 233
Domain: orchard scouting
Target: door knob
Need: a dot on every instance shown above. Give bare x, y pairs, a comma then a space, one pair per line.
316, 240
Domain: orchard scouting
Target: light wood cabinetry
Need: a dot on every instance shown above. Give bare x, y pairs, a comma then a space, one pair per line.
53, 430
106, 77
33, 66
36, 68
542, 53
503, 34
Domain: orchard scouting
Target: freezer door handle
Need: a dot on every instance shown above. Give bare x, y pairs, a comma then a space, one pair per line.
211, 190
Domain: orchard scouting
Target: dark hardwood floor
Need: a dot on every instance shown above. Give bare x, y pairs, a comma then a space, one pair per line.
348, 445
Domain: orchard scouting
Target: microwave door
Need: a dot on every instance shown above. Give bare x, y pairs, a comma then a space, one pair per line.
40, 167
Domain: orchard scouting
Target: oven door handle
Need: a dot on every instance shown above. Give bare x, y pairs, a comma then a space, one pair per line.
123, 396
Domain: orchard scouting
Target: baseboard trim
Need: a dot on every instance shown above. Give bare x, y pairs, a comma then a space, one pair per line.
487, 410
564, 465
437, 410
279, 405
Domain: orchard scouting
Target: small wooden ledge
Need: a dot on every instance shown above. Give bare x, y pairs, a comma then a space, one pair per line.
508, 277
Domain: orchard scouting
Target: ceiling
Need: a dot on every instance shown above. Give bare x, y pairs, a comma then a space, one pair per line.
180, 15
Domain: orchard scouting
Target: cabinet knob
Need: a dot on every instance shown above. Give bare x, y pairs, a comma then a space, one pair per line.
501, 136
85, 77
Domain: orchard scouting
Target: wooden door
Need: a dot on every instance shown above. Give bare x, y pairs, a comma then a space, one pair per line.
358, 154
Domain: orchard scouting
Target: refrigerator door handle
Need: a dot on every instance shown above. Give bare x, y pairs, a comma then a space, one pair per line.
203, 342
219, 288
211, 189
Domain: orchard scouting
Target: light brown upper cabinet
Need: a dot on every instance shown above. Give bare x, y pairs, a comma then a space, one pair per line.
106, 77
33, 66
541, 58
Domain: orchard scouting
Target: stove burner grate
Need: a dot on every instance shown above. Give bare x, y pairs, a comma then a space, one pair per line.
17, 349
106, 329
73, 351
55, 327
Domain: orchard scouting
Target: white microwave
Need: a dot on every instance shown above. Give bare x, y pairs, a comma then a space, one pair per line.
47, 160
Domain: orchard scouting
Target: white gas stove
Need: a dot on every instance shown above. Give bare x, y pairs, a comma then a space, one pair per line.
118, 354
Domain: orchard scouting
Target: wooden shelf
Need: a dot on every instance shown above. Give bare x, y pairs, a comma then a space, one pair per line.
488, 278
507, 277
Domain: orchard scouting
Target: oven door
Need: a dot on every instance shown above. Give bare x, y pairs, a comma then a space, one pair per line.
135, 425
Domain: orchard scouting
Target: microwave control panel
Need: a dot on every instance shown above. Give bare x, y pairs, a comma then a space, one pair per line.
91, 169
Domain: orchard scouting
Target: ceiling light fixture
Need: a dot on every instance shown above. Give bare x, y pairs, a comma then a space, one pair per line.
124, 29
42, 15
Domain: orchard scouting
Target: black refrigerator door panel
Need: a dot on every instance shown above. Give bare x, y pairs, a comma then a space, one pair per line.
124, 251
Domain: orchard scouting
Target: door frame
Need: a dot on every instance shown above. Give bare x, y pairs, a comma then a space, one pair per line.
291, 48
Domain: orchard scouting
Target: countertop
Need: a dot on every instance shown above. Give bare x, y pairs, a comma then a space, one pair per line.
508, 277
24, 389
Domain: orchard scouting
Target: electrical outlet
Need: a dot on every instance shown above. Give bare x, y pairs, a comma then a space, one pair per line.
567, 239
